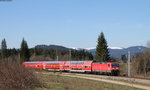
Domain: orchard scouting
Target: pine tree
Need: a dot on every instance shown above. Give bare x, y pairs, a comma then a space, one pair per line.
24, 51
102, 52
3, 49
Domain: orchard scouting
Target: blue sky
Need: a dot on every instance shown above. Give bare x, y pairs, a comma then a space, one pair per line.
75, 23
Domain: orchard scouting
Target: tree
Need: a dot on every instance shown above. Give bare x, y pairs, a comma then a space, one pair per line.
4, 49
24, 51
102, 52
124, 58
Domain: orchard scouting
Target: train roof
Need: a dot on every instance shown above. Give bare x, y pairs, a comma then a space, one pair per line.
42, 61
104, 62
89, 61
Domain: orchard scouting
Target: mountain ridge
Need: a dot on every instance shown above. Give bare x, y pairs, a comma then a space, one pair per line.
116, 52
124, 51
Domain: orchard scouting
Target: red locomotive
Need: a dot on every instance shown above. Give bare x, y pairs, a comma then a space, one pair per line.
108, 68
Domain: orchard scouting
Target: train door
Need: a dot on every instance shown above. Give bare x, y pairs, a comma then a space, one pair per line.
60, 67
44, 66
109, 67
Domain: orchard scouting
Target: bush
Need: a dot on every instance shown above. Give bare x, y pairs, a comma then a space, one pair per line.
141, 63
16, 77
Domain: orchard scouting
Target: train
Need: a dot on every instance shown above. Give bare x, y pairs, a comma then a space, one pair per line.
107, 68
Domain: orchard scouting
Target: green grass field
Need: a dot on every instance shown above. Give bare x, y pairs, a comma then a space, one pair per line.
56, 82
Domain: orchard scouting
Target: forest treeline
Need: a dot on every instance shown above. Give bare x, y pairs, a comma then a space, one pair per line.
56, 54
39, 54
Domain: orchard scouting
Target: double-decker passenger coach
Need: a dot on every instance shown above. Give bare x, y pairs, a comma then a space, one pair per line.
88, 66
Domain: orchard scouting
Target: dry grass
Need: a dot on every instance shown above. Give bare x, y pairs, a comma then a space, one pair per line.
16, 77
54, 81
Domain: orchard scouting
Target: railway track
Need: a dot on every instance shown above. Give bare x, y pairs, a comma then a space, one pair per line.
132, 82
120, 78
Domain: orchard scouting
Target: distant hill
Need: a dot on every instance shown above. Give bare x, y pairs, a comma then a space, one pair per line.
114, 51
48, 47
117, 52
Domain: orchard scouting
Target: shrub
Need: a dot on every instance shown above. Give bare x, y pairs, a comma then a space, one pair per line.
16, 77
141, 63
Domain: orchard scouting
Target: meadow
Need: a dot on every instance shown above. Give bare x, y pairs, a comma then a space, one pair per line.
54, 81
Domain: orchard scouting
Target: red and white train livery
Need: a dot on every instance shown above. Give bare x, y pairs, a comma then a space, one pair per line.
109, 68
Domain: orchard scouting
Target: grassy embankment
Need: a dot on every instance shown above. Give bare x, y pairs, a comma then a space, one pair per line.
54, 81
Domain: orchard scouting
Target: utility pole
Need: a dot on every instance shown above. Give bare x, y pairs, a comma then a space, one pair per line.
69, 55
129, 68
34, 51
57, 55
19, 59
57, 58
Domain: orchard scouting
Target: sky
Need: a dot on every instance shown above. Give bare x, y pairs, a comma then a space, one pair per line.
75, 23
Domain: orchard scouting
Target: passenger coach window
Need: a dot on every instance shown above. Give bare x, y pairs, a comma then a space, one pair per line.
108, 65
66, 66
87, 66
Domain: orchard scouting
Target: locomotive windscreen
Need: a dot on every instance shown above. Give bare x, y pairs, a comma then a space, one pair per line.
115, 65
